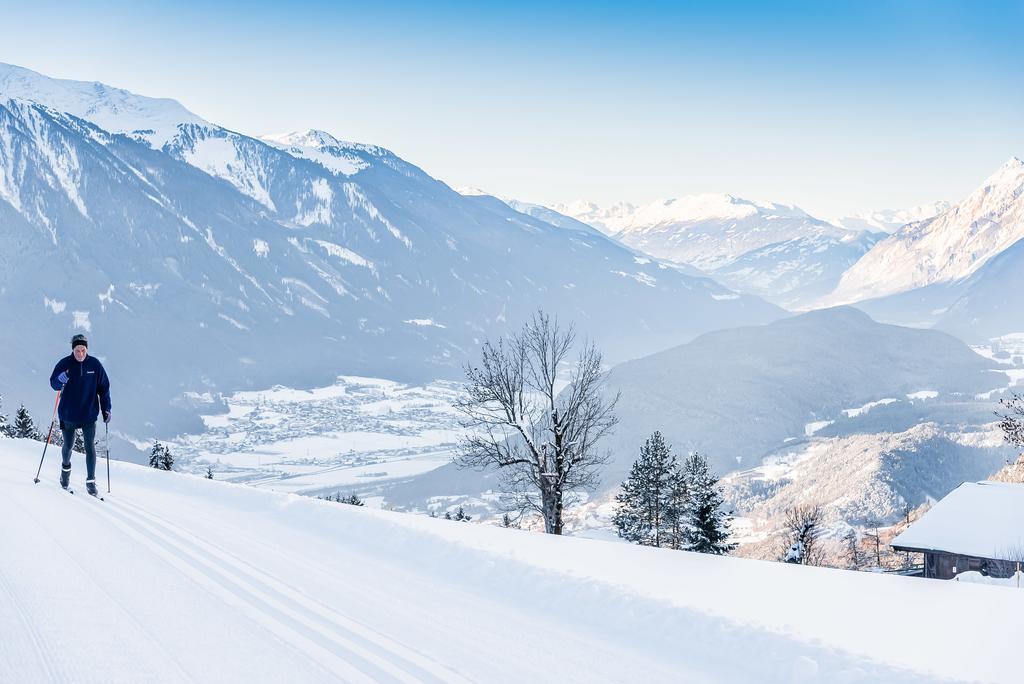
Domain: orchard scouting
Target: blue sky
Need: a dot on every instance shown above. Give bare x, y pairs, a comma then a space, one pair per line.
834, 106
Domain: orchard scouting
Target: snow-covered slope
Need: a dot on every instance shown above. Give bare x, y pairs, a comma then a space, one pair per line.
285, 261
176, 578
890, 220
946, 248
989, 303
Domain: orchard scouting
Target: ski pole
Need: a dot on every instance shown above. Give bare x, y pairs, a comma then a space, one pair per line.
106, 436
48, 435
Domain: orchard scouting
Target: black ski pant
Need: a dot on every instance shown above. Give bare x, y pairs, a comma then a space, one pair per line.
67, 430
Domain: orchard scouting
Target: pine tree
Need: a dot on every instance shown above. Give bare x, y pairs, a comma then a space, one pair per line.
24, 426
156, 455
461, 515
707, 524
209, 472
166, 459
676, 519
6, 429
79, 445
352, 500
644, 515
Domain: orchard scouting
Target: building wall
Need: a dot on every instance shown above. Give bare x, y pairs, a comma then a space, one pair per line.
949, 565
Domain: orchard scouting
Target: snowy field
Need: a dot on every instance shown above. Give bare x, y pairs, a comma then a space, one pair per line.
347, 437
175, 579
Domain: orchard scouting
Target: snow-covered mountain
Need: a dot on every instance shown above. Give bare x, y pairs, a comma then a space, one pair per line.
796, 273
868, 477
554, 218
153, 120
610, 219
287, 260
706, 231
987, 303
537, 211
890, 220
944, 249
188, 579
774, 250
738, 395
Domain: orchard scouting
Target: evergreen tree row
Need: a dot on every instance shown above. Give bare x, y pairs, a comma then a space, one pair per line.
352, 500
22, 427
667, 504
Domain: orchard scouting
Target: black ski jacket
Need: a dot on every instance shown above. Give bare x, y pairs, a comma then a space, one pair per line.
86, 392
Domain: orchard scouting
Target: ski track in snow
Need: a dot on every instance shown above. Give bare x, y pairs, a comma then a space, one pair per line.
268, 597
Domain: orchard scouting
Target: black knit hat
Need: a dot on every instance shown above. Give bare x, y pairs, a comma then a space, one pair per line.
79, 339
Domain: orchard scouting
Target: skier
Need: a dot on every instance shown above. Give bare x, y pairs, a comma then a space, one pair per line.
85, 392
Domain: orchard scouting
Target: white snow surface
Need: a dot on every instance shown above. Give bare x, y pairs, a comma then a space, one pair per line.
175, 578
923, 394
860, 410
112, 109
979, 519
816, 426
219, 156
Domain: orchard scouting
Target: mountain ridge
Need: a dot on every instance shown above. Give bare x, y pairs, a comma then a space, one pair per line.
946, 248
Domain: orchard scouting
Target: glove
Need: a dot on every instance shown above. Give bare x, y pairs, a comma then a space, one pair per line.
106, 416
63, 378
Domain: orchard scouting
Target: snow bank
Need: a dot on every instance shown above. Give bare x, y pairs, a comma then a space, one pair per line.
175, 578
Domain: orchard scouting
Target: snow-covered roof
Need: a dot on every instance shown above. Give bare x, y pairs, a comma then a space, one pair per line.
980, 519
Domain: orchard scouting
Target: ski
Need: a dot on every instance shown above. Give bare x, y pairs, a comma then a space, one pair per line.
69, 490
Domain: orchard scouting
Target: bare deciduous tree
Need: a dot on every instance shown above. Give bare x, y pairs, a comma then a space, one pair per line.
1012, 425
853, 554
543, 442
803, 527
873, 534
1012, 422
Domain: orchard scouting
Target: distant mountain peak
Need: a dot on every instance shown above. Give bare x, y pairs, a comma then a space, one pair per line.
1010, 175
311, 137
705, 230
470, 191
